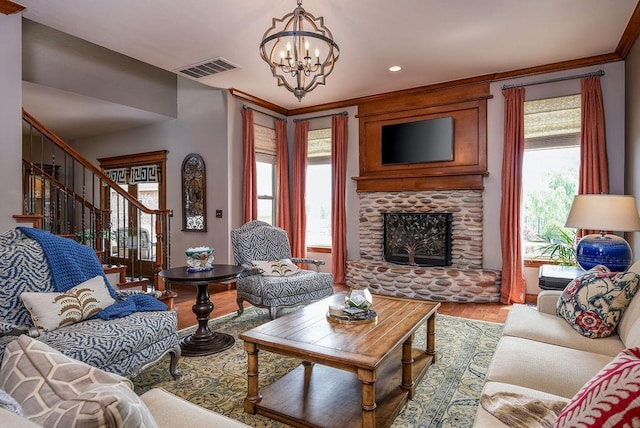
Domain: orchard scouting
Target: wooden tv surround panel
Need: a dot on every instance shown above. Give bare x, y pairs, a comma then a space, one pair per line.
466, 104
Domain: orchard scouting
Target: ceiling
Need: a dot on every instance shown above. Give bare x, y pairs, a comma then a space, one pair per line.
432, 40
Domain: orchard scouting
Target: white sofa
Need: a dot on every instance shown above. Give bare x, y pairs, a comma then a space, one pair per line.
542, 357
53, 390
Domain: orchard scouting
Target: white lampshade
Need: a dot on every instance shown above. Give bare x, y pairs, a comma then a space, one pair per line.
616, 213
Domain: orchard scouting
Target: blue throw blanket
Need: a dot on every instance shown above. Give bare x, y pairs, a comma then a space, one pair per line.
72, 263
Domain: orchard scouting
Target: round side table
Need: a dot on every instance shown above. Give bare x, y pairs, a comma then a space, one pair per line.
203, 341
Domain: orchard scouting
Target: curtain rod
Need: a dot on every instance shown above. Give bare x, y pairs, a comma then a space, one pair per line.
343, 113
558, 79
246, 107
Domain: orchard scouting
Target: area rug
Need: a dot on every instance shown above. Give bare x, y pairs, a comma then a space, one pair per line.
448, 395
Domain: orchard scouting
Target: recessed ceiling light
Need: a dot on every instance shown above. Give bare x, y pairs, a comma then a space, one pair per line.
395, 68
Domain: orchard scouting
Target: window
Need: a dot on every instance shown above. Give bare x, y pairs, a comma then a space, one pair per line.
265, 146
148, 194
318, 188
550, 174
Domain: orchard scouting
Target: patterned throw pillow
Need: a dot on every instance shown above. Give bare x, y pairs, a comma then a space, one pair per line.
52, 310
610, 398
284, 267
56, 390
594, 302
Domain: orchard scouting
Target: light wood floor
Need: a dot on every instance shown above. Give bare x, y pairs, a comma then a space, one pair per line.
224, 302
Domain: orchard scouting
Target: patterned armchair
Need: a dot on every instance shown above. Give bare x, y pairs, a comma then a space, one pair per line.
125, 345
257, 241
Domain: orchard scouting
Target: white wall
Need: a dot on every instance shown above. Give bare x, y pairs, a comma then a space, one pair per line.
10, 118
613, 98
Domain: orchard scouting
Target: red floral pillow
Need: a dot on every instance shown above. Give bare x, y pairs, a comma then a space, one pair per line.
594, 303
610, 399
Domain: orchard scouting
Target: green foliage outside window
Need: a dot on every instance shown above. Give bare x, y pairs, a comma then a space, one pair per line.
545, 213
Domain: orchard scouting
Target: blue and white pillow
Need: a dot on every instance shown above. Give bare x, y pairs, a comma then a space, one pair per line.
594, 302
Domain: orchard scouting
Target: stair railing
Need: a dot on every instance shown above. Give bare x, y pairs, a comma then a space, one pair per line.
65, 194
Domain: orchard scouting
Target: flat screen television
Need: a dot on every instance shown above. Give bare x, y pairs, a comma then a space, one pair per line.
429, 140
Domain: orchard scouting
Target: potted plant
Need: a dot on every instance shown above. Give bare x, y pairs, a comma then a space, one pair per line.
87, 236
560, 247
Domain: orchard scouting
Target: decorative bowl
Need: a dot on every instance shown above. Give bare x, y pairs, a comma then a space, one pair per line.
199, 258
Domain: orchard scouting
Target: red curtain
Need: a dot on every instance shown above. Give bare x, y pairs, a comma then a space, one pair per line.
513, 287
338, 185
249, 179
299, 180
594, 171
283, 210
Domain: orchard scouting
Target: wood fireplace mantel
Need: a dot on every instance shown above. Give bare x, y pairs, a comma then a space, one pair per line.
399, 183
466, 104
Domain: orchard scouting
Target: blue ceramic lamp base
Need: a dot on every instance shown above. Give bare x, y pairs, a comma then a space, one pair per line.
611, 251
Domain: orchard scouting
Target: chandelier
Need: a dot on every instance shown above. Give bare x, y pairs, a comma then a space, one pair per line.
286, 48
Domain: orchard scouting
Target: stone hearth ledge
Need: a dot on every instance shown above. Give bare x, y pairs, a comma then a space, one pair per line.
441, 284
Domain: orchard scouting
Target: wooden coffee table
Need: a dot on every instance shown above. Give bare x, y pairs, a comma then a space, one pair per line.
364, 375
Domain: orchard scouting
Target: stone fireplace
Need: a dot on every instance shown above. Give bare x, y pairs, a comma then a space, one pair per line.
463, 280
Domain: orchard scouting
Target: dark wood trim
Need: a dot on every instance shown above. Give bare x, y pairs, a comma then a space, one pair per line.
531, 299
34, 219
558, 66
324, 250
630, 34
158, 157
8, 7
258, 101
135, 159
466, 104
533, 263
399, 183
420, 98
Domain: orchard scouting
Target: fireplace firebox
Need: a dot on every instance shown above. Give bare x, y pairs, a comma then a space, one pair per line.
418, 239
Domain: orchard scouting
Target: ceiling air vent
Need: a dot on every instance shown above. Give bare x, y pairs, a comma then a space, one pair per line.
207, 68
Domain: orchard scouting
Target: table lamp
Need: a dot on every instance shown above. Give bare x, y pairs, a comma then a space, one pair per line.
617, 213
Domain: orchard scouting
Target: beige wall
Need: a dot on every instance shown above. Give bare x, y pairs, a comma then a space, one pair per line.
58, 60
201, 127
632, 161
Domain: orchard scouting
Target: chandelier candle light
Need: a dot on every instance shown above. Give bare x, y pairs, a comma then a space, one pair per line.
286, 48
617, 213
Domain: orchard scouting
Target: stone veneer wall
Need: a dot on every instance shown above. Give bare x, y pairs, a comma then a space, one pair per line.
463, 281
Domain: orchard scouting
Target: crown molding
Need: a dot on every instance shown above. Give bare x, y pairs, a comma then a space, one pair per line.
8, 7
630, 34
258, 101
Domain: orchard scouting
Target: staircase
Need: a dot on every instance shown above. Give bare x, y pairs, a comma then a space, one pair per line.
65, 194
